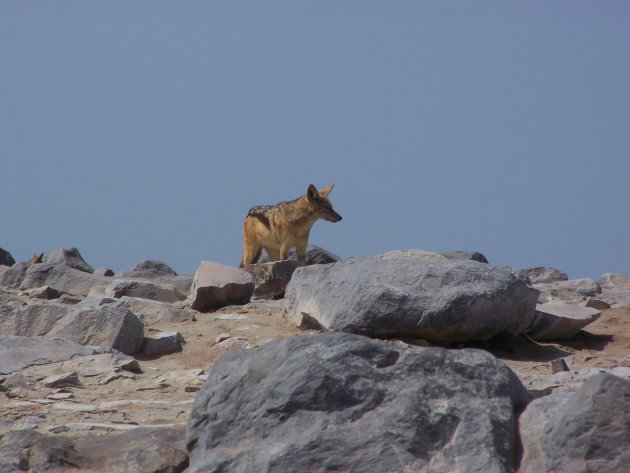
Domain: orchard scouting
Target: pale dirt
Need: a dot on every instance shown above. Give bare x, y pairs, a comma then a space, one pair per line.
158, 395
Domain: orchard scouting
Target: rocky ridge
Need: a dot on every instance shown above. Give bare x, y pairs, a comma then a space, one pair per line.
406, 361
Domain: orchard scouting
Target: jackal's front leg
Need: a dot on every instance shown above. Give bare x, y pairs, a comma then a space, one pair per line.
300, 249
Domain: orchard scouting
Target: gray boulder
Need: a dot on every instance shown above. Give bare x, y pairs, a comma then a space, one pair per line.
560, 321
5, 258
12, 277
342, 402
216, 285
144, 289
614, 281
163, 343
63, 278
69, 257
440, 300
141, 450
62, 380
466, 255
149, 269
573, 290
271, 279
17, 353
156, 312
586, 430
26, 450
109, 326
541, 274
615, 289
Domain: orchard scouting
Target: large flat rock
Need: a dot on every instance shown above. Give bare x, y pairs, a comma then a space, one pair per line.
411, 294
559, 320
17, 353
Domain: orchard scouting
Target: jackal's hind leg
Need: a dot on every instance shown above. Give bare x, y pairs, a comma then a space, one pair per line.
250, 255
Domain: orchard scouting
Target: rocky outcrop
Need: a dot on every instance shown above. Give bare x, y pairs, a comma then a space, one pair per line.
542, 274
62, 278
342, 402
466, 255
216, 285
573, 290
150, 269
413, 295
586, 430
70, 257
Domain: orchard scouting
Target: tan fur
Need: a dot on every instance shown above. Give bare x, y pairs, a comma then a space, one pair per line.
278, 228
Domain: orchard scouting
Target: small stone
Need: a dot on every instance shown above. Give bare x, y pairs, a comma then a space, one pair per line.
558, 366
222, 337
193, 385
597, 304
60, 396
60, 380
109, 378
103, 272
44, 292
163, 343
28, 423
58, 429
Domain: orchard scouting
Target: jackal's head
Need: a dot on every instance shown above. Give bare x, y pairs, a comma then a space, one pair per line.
320, 205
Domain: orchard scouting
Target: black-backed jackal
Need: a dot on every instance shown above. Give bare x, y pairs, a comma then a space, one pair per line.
278, 228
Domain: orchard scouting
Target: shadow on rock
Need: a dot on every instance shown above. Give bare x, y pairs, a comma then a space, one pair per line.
520, 348
586, 340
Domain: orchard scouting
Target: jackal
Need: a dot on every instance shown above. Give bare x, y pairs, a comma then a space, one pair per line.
278, 228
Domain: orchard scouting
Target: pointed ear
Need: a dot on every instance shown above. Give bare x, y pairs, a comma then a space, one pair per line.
326, 190
312, 193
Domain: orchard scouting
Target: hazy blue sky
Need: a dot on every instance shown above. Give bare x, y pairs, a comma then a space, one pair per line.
147, 129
